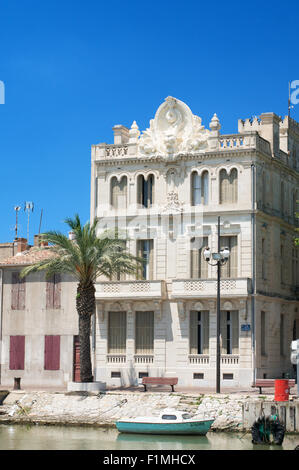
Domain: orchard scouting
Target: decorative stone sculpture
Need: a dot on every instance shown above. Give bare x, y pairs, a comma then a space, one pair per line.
173, 130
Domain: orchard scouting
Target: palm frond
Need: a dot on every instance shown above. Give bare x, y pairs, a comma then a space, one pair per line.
88, 255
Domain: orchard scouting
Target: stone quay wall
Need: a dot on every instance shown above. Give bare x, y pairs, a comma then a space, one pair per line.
231, 412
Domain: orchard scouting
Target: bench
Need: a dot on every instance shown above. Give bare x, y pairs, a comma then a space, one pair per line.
159, 381
267, 383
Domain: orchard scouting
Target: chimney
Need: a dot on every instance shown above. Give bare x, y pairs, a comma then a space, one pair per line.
72, 235
21, 244
38, 240
121, 134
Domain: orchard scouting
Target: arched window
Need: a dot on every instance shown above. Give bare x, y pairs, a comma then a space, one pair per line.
228, 187
199, 188
119, 192
145, 190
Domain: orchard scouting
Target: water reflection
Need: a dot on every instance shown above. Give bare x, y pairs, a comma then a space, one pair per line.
160, 442
20, 437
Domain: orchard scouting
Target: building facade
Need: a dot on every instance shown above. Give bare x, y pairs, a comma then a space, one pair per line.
38, 323
165, 188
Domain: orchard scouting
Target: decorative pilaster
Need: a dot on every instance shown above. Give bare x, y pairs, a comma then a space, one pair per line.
158, 309
182, 310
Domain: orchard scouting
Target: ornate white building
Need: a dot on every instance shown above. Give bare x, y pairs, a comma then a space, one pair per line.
166, 187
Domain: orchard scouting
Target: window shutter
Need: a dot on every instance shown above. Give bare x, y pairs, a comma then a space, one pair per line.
206, 335
194, 264
18, 291
117, 332
113, 191
14, 291
205, 188
144, 331
17, 353
151, 259
52, 352
233, 186
223, 187
57, 291
193, 332
22, 294
235, 331
199, 267
223, 331
228, 187
230, 269
122, 195
196, 188
203, 268
139, 269
225, 242
49, 293
233, 259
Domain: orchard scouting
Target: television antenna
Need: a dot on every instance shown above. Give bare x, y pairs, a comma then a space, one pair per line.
28, 206
16, 208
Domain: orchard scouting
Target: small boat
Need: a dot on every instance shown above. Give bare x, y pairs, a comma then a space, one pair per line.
168, 422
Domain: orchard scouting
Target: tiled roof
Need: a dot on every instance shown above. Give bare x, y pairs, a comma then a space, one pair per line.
27, 257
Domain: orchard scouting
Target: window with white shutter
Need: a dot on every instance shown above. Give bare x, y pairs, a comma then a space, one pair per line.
144, 332
18, 292
228, 187
199, 267
117, 332
230, 268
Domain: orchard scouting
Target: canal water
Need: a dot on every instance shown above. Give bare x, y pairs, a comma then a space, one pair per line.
40, 437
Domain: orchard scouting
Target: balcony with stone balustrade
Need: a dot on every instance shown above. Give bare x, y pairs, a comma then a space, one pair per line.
225, 143
193, 288
130, 290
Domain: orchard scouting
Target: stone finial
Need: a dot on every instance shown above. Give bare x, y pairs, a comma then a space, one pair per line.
214, 134
134, 133
215, 124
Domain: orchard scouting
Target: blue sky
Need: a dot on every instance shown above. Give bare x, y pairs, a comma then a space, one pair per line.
73, 69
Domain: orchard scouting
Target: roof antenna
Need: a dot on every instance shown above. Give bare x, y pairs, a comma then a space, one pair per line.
40, 221
16, 208
28, 206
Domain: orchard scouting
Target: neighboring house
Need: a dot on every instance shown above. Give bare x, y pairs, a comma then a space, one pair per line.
6, 250
167, 187
38, 322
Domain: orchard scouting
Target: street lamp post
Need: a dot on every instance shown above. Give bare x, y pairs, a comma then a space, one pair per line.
221, 257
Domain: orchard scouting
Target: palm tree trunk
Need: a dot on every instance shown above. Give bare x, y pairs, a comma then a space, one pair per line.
85, 303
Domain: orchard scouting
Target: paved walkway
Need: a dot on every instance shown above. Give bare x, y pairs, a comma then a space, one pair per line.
157, 389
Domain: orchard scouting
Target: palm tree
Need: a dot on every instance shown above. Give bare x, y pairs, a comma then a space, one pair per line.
85, 257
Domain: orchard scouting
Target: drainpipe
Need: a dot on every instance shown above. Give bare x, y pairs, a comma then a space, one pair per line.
253, 268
